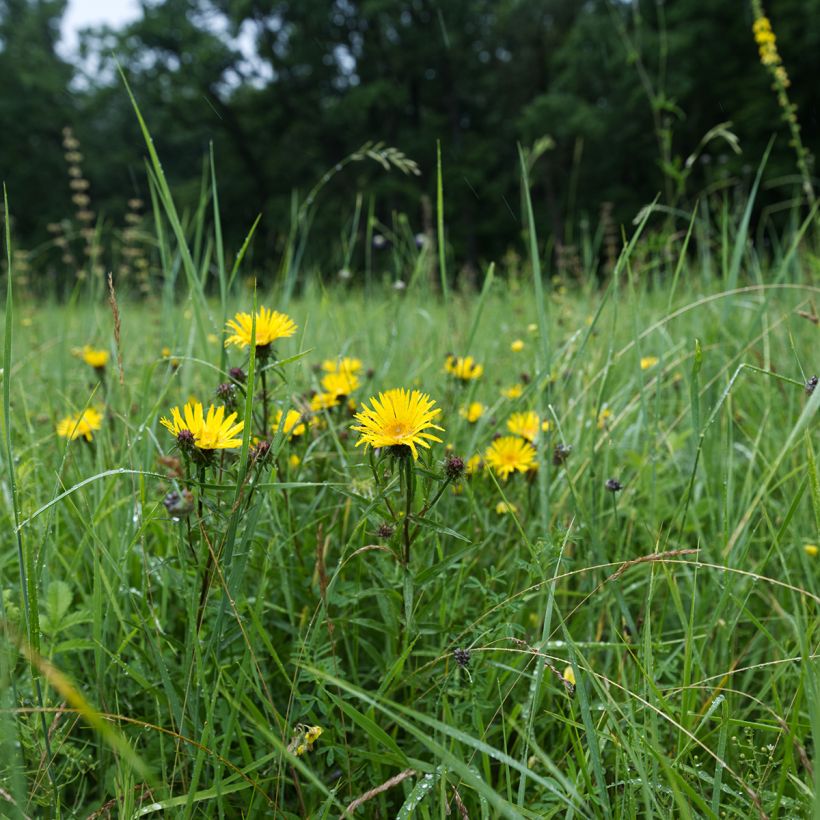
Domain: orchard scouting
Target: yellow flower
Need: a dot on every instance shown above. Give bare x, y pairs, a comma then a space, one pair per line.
569, 675
313, 733
94, 357
398, 418
512, 392
323, 401
525, 424
532, 328
343, 365
474, 464
340, 383
502, 508
517, 346
649, 361
464, 368
603, 417
166, 352
472, 412
294, 461
270, 326
510, 453
294, 425
211, 432
80, 424
301, 749
811, 550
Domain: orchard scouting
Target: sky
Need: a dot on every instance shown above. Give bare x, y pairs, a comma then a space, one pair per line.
83, 13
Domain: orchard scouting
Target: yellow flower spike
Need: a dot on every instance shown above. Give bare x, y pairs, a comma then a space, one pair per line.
398, 418
81, 424
463, 368
509, 454
211, 432
270, 326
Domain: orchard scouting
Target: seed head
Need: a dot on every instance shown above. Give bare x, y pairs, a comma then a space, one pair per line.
613, 485
225, 391
385, 531
462, 657
810, 385
453, 467
561, 453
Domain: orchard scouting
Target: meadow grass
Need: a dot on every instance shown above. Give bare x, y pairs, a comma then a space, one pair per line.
684, 604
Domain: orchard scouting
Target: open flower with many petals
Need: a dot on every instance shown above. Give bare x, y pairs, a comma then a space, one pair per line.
509, 454
81, 424
204, 432
270, 326
472, 412
398, 419
340, 383
526, 424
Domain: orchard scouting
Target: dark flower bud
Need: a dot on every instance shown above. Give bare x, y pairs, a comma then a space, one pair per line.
185, 440
561, 453
613, 485
810, 385
525, 378
385, 531
453, 467
237, 374
462, 657
225, 391
179, 504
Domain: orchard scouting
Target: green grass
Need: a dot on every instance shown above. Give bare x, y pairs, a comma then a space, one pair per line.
685, 604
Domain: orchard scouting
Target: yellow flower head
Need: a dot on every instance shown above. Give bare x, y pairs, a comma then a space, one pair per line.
343, 365
398, 418
464, 368
293, 425
811, 550
649, 361
569, 675
270, 326
603, 417
211, 432
503, 508
93, 357
80, 424
474, 464
517, 346
510, 453
525, 424
472, 412
313, 733
323, 401
340, 383
294, 461
513, 392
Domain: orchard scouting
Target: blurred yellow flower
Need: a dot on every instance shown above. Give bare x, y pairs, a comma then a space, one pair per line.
294, 461
811, 550
398, 418
649, 361
502, 508
603, 417
94, 357
270, 326
474, 464
293, 425
464, 368
526, 424
323, 401
340, 383
343, 365
509, 454
517, 346
472, 412
512, 392
569, 675
80, 424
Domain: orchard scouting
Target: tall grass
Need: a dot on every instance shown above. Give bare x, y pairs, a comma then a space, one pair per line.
685, 604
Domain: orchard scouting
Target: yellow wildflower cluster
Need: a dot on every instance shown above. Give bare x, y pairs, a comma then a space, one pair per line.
463, 368
767, 48
304, 739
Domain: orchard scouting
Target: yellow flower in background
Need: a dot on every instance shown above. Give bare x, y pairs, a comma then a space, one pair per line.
323, 401
503, 508
472, 412
509, 454
312, 734
293, 426
513, 392
93, 356
526, 424
294, 461
517, 346
80, 424
811, 550
343, 365
211, 432
649, 361
569, 675
340, 383
532, 328
398, 418
464, 368
603, 417
474, 464
270, 326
